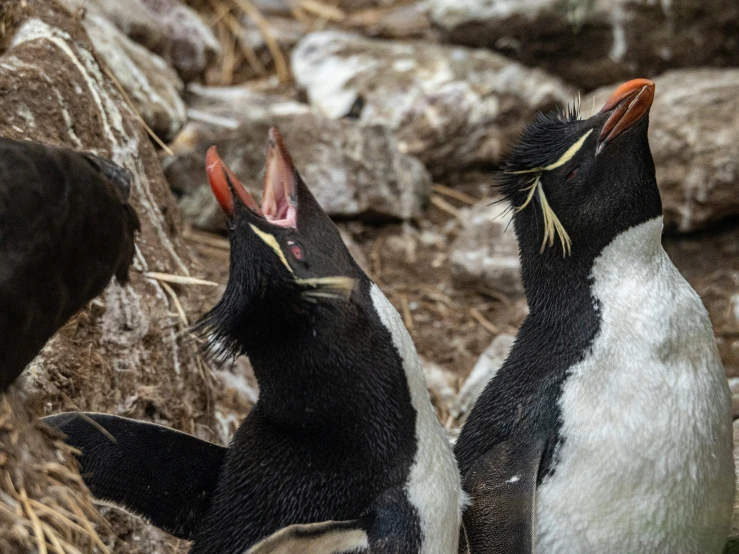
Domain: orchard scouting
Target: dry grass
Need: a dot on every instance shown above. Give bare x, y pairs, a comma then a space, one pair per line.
226, 19
239, 61
44, 505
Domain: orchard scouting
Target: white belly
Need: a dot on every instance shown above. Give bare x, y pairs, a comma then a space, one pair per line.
646, 464
434, 485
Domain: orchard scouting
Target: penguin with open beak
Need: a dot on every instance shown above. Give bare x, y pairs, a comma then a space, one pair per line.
608, 428
66, 229
341, 453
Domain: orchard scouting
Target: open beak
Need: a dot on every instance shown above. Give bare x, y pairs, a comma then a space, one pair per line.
630, 103
224, 184
280, 198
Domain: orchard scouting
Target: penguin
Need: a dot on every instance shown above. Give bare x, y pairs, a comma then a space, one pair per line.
66, 228
342, 451
608, 427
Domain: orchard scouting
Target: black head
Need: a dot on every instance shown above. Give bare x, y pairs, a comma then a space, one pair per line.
288, 262
575, 184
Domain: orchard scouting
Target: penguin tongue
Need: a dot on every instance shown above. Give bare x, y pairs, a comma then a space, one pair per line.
630, 103
224, 183
280, 199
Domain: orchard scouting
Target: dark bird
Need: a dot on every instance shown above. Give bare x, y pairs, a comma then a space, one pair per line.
342, 452
608, 428
66, 229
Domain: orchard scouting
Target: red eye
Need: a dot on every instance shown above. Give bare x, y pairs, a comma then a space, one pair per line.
295, 249
572, 174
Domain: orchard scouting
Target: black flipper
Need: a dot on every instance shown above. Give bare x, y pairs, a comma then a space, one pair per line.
328, 537
163, 475
502, 489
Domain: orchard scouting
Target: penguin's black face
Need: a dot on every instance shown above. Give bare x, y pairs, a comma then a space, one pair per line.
578, 183
287, 258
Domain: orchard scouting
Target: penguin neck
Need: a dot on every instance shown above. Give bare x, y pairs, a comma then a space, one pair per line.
338, 373
557, 287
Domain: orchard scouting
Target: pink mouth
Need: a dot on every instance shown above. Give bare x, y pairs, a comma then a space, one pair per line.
280, 198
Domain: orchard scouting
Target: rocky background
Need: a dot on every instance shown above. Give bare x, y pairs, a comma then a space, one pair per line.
397, 113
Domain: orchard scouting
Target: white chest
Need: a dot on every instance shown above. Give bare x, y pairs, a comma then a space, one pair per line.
646, 464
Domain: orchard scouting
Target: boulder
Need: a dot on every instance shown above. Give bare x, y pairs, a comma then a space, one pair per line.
453, 107
353, 170
168, 28
694, 136
595, 42
123, 354
485, 253
152, 86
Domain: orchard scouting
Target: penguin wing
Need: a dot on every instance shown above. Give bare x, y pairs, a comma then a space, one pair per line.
502, 489
327, 537
162, 475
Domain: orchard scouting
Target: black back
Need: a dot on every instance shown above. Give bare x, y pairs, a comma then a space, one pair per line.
65, 229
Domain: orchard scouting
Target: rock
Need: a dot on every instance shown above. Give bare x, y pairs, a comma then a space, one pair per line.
596, 42
451, 106
353, 170
485, 254
694, 136
485, 369
153, 86
404, 21
166, 27
123, 354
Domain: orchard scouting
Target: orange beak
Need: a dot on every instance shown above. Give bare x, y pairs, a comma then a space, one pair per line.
631, 102
224, 184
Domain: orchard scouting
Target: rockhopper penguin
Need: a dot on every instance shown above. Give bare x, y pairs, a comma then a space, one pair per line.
66, 229
608, 428
342, 452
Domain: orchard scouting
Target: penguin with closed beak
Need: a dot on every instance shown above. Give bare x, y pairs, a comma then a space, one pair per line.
608, 428
66, 229
342, 452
